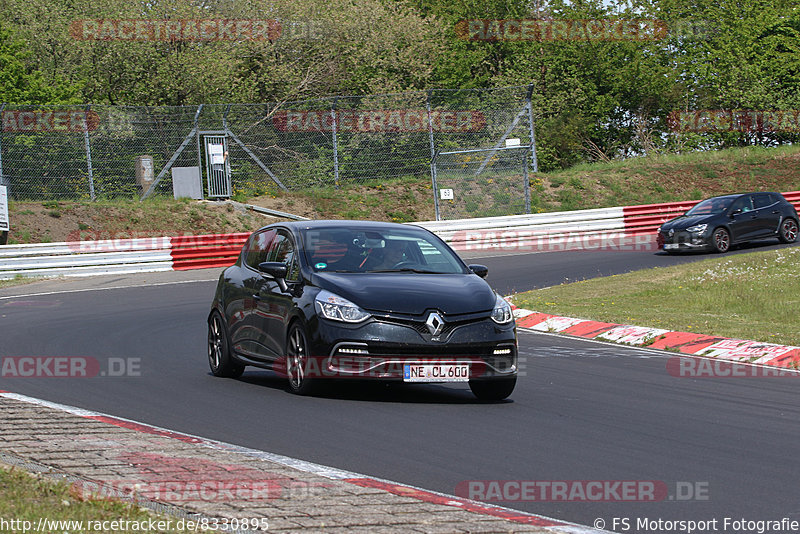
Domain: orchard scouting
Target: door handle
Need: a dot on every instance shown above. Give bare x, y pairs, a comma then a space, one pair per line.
257, 297
775, 212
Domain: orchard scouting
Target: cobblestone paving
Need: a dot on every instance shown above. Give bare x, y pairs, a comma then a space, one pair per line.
109, 460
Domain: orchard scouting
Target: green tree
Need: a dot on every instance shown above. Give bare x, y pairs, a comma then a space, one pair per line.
22, 84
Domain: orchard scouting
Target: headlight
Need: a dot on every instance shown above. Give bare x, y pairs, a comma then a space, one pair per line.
501, 314
332, 306
697, 229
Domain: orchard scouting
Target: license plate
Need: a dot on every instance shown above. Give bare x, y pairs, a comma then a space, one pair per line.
671, 246
426, 372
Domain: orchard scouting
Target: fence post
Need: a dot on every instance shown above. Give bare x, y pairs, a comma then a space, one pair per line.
88, 152
433, 154
199, 152
335, 144
2, 177
534, 160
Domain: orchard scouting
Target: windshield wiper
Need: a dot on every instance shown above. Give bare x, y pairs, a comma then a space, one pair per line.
403, 270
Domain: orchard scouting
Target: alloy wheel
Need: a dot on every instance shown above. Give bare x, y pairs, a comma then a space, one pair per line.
215, 343
296, 359
789, 231
722, 240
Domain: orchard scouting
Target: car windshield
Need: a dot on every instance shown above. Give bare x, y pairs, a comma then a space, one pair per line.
367, 250
712, 206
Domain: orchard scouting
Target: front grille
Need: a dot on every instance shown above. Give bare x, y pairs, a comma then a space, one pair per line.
678, 237
419, 326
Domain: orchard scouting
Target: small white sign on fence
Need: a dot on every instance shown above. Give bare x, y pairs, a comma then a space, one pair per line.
446, 194
514, 141
4, 224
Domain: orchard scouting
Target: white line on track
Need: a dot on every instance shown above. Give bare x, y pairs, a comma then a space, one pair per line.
104, 288
662, 353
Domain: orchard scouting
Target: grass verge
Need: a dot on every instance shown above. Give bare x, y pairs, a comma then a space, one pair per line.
18, 280
747, 296
28, 498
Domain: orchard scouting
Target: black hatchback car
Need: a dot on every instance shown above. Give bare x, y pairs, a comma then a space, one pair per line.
359, 299
720, 222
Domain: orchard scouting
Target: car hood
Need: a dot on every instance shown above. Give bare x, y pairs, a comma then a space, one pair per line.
684, 221
410, 293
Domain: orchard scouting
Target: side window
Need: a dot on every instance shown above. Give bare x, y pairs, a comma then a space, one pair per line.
744, 204
257, 248
283, 250
763, 200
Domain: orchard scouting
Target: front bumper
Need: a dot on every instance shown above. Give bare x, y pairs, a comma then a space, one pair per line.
683, 240
382, 347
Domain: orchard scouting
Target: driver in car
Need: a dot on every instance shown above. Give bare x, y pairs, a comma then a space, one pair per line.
393, 254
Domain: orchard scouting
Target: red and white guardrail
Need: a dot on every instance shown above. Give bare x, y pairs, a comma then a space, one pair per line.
621, 228
120, 256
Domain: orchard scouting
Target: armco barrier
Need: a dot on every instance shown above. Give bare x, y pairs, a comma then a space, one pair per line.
205, 251
120, 256
620, 228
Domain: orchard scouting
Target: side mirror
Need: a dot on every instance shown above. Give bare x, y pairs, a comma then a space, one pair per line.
480, 270
276, 270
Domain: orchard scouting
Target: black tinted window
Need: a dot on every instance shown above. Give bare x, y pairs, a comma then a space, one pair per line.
283, 250
763, 200
743, 203
258, 247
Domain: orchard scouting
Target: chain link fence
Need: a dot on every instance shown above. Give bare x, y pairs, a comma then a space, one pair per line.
485, 182
74, 153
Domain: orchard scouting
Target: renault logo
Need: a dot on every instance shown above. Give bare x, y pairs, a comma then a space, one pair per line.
435, 323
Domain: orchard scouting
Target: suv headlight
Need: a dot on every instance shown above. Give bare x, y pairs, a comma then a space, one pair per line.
697, 229
334, 307
501, 314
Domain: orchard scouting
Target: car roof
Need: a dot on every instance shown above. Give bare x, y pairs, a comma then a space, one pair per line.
737, 195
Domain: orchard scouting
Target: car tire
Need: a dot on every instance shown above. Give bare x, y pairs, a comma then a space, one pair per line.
219, 349
788, 231
297, 361
493, 390
721, 240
